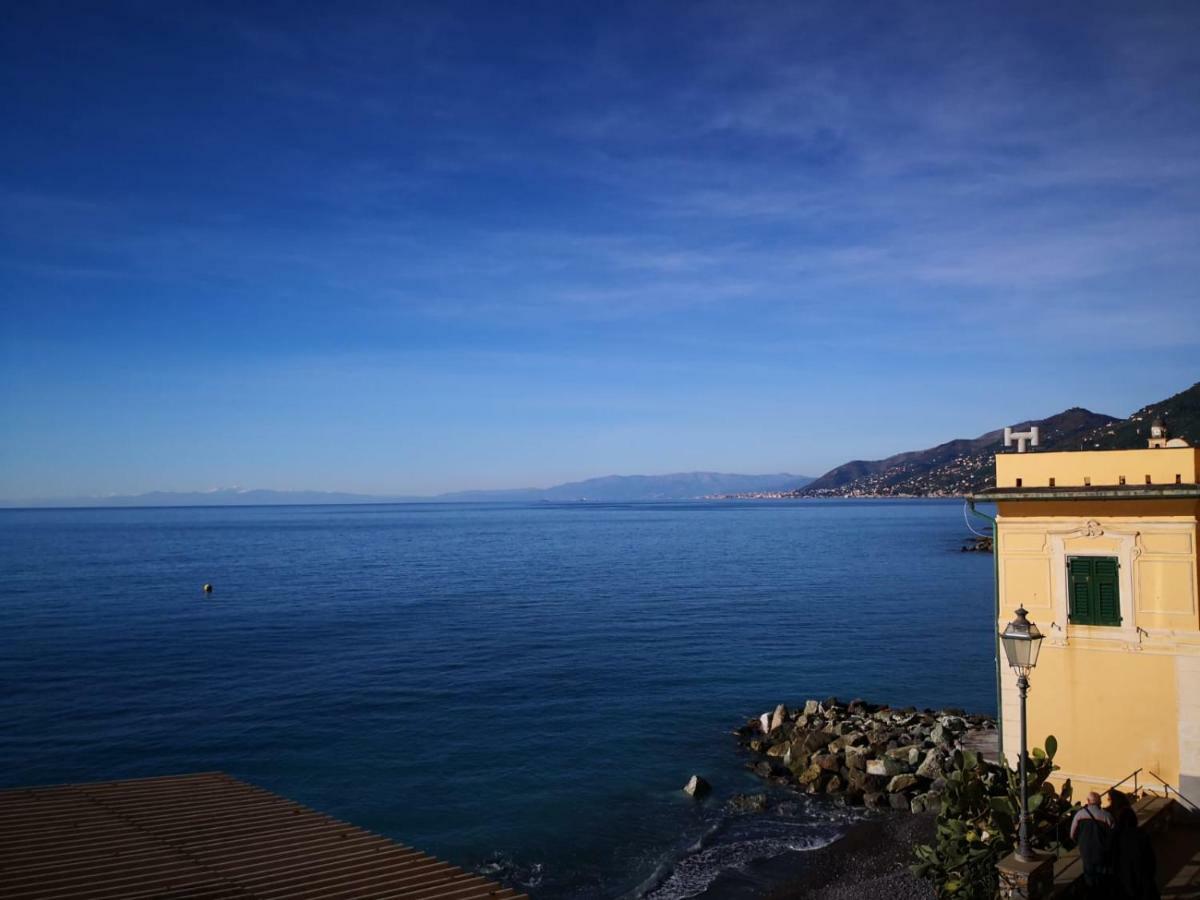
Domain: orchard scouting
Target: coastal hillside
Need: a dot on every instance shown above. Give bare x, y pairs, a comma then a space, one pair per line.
1181, 413
967, 464
627, 488
953, 468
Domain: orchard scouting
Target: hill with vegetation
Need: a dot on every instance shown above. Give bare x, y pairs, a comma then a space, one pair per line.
967, 464
1180, 413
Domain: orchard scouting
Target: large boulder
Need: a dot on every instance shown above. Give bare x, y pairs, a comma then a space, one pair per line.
812, 708
780, 749
856, 758
811, 775
853, 739
899, 801
827, 761
863, 782
931, 765
901, 783
875, 800
879, 746
955, 724
779, 717
910, 755
697, 787
835, 785
886, 766
816, 740
931, 801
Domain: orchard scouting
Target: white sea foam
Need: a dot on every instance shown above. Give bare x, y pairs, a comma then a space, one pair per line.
507, 870
694, 872
734, 842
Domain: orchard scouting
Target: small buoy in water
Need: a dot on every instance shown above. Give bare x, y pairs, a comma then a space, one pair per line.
208, 588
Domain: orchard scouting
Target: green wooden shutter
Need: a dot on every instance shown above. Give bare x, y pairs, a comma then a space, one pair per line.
1105, 596
1079, 571
1092, 593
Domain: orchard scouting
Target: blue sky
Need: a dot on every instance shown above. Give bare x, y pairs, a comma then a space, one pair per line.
413, 248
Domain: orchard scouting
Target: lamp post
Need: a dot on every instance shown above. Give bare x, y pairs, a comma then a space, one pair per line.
1022, 641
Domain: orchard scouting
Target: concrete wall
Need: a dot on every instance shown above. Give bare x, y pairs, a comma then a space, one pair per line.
1116, 698
1100, 467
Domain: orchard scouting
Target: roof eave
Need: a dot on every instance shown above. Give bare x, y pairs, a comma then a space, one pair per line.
1102, 492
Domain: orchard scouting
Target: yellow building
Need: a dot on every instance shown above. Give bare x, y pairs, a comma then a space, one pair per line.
1100, 548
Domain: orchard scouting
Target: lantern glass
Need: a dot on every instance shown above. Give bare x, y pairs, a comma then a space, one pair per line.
1022, 641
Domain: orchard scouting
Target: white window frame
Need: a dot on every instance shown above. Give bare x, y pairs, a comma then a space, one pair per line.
1127, 552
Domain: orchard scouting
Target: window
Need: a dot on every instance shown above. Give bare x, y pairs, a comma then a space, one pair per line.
1092, 590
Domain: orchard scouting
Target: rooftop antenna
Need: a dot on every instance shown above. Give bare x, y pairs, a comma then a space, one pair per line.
1023, 439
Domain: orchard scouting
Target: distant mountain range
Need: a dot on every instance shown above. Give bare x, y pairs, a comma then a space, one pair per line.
948, 470
218, 497
611, 489
968, 464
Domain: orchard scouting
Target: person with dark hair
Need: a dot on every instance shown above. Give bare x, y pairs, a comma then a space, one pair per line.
1133, 860
1092, 829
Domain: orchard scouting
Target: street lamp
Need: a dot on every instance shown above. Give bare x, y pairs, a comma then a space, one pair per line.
1022, 641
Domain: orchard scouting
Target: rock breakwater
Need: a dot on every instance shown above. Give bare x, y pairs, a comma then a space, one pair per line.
861, 753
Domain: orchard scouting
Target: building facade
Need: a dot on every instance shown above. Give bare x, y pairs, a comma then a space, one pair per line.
1100, 548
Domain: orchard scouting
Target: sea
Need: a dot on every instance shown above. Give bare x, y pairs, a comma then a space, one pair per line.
521, 689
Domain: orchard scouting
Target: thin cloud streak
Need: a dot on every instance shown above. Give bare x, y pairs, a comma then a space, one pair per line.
762, 195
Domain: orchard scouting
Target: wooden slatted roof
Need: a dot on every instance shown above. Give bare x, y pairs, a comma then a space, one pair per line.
204, 837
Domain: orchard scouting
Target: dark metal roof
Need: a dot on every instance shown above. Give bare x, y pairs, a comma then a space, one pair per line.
1093, 492
204, 837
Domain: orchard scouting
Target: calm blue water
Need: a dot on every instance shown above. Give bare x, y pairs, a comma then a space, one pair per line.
521, 689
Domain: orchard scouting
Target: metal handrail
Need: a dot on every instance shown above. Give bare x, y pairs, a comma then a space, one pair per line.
1174, 790
1133, 775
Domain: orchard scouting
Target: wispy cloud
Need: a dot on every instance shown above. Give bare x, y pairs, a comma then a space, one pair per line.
724, 189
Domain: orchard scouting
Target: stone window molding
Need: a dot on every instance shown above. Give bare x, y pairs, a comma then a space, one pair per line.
1061, 631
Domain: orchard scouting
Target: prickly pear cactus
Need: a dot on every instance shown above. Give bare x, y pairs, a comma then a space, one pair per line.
980, 815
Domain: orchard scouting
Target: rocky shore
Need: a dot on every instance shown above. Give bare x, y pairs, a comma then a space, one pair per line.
860, 753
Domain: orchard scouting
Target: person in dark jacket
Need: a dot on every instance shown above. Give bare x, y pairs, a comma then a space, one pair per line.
1133, 863
1092, 829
